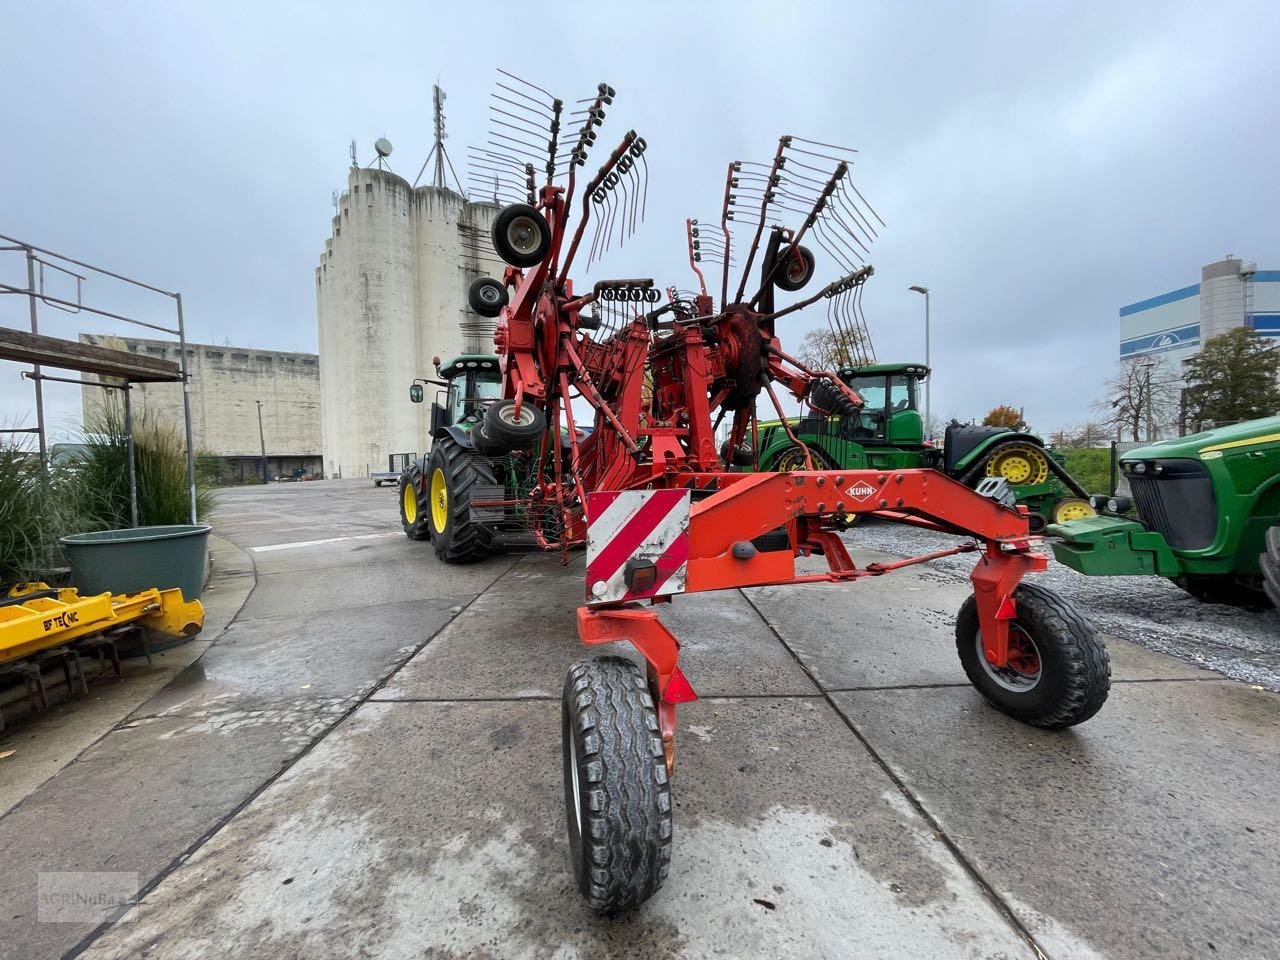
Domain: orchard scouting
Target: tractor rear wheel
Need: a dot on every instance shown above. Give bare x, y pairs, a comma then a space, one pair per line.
413, 505
616, 788
452, 474
1019, 462
1058, 674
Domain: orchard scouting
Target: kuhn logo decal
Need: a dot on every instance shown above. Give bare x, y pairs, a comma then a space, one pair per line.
861, 491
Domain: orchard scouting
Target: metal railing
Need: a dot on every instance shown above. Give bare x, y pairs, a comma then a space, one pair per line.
39, 260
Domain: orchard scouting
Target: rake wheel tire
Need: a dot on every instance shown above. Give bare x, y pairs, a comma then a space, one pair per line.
521, 235
789, 275
1075, 669
417, 528
503, 431
462, 539
617, 792
1269, 561
487, 297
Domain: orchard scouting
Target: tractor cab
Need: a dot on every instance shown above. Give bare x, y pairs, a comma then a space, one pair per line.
471, 382
891, 392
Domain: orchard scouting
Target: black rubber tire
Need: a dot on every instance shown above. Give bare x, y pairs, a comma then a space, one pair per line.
419, 528
621, 847
825, 396
1227, 589
792, 458
1075, 669
462, 539
742, 456
786, 276
501, 431
534, 250
1269, 561
487, 297
776, 539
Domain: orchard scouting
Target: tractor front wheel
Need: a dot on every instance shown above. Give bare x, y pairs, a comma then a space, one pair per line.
452, 474
616, 788
413, 505
1058, 674
1269, 562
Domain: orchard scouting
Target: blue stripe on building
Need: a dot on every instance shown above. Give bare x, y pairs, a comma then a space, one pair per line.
1162, 341
1268, 324
1267, 276
1160, 301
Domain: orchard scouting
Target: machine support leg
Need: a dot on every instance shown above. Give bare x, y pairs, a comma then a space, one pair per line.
995, 577
660, 649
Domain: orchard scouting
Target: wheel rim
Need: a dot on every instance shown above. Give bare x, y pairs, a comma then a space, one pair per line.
1072, 509
490, 295
524, 235
1022, 673
410, 497
790, 461
1020, 464
797, 268
508, 416
439, 500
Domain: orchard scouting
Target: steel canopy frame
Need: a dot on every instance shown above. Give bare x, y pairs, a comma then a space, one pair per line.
37, 260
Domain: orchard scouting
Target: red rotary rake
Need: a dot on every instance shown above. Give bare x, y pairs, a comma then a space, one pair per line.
647, 490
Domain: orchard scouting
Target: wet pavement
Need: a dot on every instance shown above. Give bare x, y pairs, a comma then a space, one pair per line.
366, 762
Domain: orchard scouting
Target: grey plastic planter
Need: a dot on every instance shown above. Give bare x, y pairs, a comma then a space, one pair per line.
126, 561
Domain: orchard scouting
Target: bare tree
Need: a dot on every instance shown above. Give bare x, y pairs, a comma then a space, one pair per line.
1139, 400
822, 350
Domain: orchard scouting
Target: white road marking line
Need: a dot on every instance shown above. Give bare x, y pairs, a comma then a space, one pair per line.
315, 543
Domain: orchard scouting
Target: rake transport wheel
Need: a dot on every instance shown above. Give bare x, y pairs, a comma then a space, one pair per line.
521, 236
413, 505
1018, 462
795, 270
487, 297
1269, 561
452, 473
509, 431
1058, 673
616, 789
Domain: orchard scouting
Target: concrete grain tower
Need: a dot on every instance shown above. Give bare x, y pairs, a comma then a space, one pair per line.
391, 293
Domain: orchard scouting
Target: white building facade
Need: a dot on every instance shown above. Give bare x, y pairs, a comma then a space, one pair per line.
1172, 327
391, 293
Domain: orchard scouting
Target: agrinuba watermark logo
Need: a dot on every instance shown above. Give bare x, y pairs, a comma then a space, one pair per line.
84, 896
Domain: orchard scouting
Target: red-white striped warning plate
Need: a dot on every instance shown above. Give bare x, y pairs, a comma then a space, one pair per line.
639, 525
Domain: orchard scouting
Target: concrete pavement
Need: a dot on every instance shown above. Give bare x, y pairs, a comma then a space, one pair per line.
367, 763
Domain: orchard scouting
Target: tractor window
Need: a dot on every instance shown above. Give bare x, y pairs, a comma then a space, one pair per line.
871, 389
478, 391
902, 394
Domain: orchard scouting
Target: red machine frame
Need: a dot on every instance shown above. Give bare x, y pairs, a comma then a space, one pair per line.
657, 432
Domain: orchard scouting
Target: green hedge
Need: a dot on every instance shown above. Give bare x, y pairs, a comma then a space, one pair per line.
1091, 468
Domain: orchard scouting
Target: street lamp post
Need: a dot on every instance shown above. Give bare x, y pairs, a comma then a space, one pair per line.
1148, 367
928, 384
262, 440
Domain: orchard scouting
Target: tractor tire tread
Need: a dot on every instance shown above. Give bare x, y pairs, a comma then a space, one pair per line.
420, 529
1085, 664
626, 837
1269, 566
463, 469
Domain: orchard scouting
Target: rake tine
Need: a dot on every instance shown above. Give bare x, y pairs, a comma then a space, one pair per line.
520, 93
521, 106
829, 146
532, 86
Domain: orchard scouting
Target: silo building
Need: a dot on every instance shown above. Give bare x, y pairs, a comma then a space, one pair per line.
391, 293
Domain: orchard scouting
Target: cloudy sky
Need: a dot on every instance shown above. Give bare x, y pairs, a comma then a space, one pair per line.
1038, 165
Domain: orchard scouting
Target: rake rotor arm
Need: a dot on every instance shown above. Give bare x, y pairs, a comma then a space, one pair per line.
591, 188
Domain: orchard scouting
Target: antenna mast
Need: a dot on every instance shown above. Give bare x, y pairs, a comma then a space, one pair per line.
443, 165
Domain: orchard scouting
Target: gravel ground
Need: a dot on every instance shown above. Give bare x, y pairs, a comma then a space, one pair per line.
1149, 611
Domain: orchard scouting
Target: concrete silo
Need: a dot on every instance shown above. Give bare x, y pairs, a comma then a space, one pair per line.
391, 293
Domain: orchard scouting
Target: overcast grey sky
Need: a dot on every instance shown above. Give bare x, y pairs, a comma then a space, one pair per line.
1038, 165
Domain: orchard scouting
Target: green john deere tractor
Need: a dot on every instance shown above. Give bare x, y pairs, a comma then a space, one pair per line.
888, 434
1208, 510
